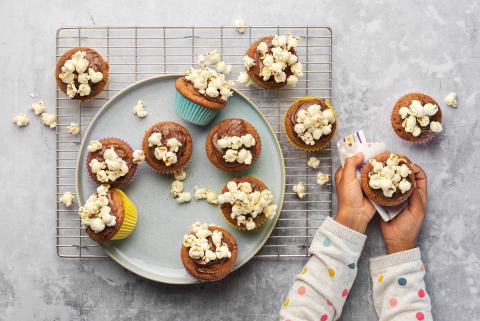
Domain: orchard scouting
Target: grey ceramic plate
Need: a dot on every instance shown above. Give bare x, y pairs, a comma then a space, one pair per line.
153, 249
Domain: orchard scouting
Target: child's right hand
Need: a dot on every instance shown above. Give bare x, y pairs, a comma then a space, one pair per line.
400, 234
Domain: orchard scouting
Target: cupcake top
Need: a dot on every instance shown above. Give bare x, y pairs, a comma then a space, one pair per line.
208, 82
416, 117
274, 60
110, 161
98, 211
205, 246
248, 201
81, 72
233, 144
390, 176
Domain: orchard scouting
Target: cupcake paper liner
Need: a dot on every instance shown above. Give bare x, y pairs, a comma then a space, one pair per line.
315, 148
129, 219
192, 112
113, 184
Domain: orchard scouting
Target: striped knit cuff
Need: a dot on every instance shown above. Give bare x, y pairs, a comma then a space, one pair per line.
386, 261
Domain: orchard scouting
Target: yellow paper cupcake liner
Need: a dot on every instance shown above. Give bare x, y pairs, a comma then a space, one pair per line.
129, 218
316, 148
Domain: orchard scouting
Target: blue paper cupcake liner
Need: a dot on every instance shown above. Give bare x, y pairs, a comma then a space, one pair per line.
192, 112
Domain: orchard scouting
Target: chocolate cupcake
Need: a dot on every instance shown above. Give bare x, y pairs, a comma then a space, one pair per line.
416, 118
310, 123
246, 203
81, 73
212, 263
167, 146
388, 179
204, 91
111, 161
108, 214
233, 145
271, 62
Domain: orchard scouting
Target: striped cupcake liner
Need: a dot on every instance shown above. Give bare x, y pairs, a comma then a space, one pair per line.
192, 112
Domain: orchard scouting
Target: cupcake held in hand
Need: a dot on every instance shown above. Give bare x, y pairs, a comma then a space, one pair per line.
81, 73
110, 161
204, 91
233, 145
247, 203
167, 147
417, 118
271, 62
310, 123
209, 252
108, 214
387, 179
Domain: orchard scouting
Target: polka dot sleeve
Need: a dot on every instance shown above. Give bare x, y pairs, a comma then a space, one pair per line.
320, 290
398, 288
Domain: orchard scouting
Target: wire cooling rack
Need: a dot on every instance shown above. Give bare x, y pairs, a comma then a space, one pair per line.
136, 53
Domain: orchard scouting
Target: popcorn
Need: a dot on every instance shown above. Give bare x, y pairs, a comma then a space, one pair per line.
38, 108
177, 188
94, 146
95, 76
207, 194
232, 144
139, 109
84, 90
96, 212
292, 80
49, 120
184, 197
313, 123
239, 26
199, 245
299, 189
138, 156
417, 116
390, 176
247, 204
67, 199
322, 178
436, 127
21, 120
155, 139
451, 99
180, 176
167, 154
73, 129
248, 62
112, 168
313, 162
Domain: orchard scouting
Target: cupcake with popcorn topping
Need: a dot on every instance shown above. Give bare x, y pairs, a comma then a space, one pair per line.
203, 91
167, 147
271, 62
416, 118
81, 73
208, 252
110, 161
247, 203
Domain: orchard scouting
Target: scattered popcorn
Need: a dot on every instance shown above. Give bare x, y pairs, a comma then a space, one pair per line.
177, 188
180, 176
199, 244
38, 108
313, 162
436, 127
166, 154
451, 99
247, 204
73, 129
239, 25
417, 116
67, 199
112, 168
139, 109
21, 120
299, 189
138, 156
184, 197
208, 81
96, 212
390, 175
94, 146
244, 79
322, 178
207, 194
313, 123
49, 120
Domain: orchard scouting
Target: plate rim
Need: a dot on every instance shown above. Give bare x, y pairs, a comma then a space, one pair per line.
115, 256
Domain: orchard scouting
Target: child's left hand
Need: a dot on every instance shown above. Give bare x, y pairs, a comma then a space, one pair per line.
354, 209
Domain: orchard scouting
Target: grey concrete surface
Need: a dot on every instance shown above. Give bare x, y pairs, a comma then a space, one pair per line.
382, 49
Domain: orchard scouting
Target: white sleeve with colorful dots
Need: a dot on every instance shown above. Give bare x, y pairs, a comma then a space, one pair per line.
320, 290
398, 288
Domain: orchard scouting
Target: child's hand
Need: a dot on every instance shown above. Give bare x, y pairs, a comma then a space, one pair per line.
354, 209
400, 234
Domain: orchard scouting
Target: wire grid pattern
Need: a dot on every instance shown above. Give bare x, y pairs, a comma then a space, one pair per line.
136, 53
